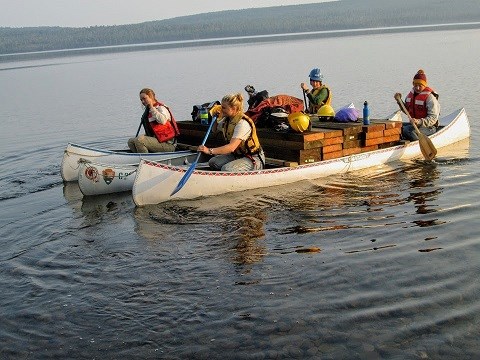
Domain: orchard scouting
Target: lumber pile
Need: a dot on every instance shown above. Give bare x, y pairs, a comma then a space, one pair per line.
326, 140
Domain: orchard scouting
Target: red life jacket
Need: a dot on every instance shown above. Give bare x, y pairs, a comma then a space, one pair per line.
164, 132
416, 104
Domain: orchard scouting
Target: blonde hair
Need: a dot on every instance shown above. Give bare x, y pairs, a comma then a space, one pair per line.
234, 101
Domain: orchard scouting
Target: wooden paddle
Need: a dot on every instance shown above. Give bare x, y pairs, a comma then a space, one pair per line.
189, 172
426, 145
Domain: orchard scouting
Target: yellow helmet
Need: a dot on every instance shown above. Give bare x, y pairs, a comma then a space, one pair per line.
326, 111
299, 121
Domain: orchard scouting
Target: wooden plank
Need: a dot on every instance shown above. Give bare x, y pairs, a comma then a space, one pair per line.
299, 156
331, 148
373, 127
351, 137
391, 139
279, 162
333, 155
374, 134
309, 156
333, 141
374, 141
352, 144
347, 128
294, 145
290, 136
393, 131
389, 124
331, 133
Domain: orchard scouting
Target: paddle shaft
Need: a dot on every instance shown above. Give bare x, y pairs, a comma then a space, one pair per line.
139, 127
143, 122
426, 146
189, 172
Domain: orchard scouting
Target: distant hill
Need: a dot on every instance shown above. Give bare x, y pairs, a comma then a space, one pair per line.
339, 15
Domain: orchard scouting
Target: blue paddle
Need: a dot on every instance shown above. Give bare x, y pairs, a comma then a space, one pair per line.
189, 172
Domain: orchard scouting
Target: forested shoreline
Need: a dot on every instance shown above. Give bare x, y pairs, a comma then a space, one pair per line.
339, 15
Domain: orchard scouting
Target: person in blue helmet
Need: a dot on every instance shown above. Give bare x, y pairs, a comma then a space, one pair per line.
319, 95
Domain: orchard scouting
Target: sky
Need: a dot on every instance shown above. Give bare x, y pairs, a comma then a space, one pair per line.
84, 13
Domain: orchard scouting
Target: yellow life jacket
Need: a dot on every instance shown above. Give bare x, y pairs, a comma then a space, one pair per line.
313, 108
251, 146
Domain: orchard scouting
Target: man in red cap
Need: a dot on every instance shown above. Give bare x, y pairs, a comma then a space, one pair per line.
423, 106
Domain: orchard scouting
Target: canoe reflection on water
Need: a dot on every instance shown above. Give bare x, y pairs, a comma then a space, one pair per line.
425, 175
238, 230
94, 207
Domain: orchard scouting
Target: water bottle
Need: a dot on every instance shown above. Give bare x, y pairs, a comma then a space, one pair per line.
366, 114
204, 116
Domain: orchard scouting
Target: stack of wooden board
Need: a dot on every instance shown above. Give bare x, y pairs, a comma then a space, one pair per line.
326, 140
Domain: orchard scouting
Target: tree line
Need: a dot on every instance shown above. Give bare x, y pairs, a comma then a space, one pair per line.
337, 15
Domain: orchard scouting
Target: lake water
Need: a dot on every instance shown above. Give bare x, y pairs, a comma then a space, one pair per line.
397, 274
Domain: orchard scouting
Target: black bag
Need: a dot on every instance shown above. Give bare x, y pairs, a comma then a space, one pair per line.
196, 110
271, 117
257, 98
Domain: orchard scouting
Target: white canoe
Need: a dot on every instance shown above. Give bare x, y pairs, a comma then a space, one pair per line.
96, 178
74, 152
155, 182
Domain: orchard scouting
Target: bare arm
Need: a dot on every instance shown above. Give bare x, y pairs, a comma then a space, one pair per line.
225, 149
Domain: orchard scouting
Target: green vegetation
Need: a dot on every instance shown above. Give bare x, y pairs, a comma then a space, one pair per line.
345, 14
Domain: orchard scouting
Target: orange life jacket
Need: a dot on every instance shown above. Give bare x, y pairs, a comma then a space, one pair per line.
164, 132
416, 104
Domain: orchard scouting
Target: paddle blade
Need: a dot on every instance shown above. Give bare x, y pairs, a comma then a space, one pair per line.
426, 147
187, 175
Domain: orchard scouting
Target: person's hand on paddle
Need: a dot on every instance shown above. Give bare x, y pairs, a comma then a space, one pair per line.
204, 149
415, 121
304, 86
398, 99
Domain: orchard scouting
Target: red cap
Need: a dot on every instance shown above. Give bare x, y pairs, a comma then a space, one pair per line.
420, 78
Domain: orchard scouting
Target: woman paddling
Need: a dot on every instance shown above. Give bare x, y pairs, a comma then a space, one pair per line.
243, 151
